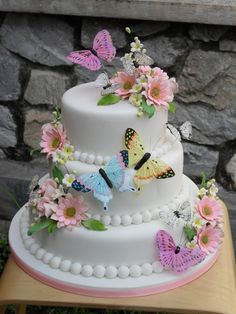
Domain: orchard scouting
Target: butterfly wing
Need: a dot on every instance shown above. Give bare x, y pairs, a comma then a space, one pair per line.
185, 211
174, 131
128, 65
186, 130
169, 217
110, 89
94, 182
102, 80
167, 248
135, 146
142, 59
103, 45
115, 170
86, 59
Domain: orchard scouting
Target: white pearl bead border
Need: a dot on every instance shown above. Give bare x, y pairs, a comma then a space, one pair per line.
100, 160
75, 268
144, 216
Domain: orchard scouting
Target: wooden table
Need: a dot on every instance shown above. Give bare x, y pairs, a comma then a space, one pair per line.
214, 292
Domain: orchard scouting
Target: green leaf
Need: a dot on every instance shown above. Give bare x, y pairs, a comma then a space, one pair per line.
109, 99
52, 226
57, 173
203, 181
172, 107
43, 223
93, 224
190, 232
149, 110
35, 152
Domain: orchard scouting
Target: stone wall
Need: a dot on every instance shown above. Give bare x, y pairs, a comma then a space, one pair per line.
34, 74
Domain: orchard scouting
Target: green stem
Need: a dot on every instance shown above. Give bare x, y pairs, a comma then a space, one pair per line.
10, 196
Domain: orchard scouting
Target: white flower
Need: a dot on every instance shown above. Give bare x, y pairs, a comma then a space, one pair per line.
135, 99
202, 192
68, 150
68, 180
136, 46
142, 80
137, 88
191, 245
211, 182
198, 222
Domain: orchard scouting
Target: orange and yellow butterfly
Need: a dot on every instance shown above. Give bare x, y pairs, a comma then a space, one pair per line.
147, 168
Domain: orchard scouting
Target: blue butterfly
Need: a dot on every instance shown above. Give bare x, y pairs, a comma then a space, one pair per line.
112, 175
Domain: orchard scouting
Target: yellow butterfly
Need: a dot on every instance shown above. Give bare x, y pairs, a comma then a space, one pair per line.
147, 168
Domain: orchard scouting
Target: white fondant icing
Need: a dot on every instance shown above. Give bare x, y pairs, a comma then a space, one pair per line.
55, 262
65, 265
99, 271
75, 268
123, 271
111, 272
87, 271
147, 269
157, 267
135, 271
47, 257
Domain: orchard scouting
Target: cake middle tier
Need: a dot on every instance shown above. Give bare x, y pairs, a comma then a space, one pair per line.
157, 193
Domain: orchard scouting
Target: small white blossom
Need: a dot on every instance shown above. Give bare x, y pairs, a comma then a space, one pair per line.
68, 180
137, 88
213, 190
191, 245
202, 192
211, 182
128, 30
135, 99
198, 221
136, 46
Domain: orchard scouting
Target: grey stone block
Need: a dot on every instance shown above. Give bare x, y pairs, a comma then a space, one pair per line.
147, 28
34, 119
165, 51
7, 128
14, 179
40, 38
207, 33
229, 198
199, 158
4, 228
210, 126
91, 26
45, 87
209, 77
231, 170
10, 87
227, 45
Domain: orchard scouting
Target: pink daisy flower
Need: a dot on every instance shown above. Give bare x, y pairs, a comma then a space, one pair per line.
159, 92
53, 138
126, 83
209, 209
208, 238
144, 70
70, 211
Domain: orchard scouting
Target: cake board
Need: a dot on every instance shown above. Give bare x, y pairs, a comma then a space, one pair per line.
213, 292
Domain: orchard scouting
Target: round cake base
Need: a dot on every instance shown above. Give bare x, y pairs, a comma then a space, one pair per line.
103, 287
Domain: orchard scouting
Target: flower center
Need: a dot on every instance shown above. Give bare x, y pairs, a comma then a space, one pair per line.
70, 211
127, 85
205, 239
207, 211
55, 143
155, 92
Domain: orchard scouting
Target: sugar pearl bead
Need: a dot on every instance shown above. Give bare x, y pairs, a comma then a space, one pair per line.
75, 268
157, 267
34, 247
126, 220
90, 159
40, 253
111, 272
83, 157
146, 269
29, 242
65, 265
99, 271
87, 271
77, 155
99, 160
137, 219
47, 257
106, 159
55, 262
115, 220
123, 272
155, 213
135, 271
106, 219
147, 216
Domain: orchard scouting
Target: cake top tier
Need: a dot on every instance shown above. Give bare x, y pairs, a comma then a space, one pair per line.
100, 130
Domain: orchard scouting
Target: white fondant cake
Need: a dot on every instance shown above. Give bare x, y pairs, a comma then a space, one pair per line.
158, 231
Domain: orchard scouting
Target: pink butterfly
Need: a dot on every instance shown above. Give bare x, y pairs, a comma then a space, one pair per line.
174, 257
102, 48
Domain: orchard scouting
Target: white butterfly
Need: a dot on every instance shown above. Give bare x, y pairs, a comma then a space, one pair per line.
130, 64
103, 82
173, 217
184, 131
142, 59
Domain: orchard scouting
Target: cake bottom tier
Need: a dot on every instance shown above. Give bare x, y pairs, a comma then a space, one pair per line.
121, 261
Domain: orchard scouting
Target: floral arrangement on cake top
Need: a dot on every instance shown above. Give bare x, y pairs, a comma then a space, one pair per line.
202, 230
145, 87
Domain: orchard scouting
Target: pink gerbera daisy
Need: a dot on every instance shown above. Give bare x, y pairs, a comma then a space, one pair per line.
210, 209
53, 138
159, 91
70, 211
208, 238
125, 82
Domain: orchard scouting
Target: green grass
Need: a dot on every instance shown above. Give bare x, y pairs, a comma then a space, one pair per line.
4, 253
